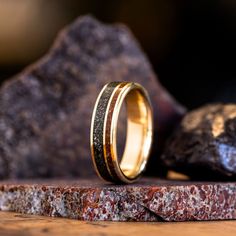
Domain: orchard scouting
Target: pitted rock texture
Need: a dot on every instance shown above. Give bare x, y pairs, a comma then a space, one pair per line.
204, 145
149, 200
45, 112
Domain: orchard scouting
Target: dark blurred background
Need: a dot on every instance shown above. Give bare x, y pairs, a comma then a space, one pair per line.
191, 44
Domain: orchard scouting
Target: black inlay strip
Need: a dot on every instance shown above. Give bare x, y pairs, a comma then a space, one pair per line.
98, 126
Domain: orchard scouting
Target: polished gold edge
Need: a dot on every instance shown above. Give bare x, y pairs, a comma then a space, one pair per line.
150, 116
148, 137
113, 132
111, 157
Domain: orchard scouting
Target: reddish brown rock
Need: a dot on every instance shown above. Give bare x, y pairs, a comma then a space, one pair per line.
204, 145
148, 200
45, 111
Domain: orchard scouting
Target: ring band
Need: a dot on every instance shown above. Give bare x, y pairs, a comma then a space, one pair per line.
104, 132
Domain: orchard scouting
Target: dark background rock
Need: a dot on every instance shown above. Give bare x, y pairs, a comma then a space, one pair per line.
204, 145
45, 111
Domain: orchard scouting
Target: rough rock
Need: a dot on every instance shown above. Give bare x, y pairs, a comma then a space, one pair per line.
204, 144
149, 200
45, 111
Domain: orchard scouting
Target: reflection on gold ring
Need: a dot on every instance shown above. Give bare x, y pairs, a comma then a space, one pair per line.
104, 132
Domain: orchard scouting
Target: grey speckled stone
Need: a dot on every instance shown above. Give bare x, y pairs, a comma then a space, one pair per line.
204, 145
45, 111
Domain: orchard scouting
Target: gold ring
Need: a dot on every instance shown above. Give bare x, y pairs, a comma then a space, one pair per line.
104, 132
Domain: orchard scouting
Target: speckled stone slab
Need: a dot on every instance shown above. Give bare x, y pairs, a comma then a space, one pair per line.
147, 200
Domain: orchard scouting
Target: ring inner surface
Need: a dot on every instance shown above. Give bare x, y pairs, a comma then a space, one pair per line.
138, 138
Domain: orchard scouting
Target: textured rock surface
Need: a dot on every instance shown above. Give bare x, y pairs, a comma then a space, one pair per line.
204, 145
45, 111
149, 200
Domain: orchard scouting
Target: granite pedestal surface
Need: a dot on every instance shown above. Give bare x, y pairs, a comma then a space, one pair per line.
147, 200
